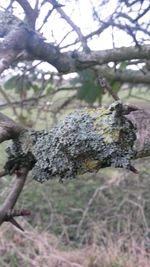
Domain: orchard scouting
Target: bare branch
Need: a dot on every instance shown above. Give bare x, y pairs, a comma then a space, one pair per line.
72, 24
8, 128
48, 15
142, 13
28, 101
6, 213
6, 97
105, 85
70, 62
31, 14
65, 62
126, 76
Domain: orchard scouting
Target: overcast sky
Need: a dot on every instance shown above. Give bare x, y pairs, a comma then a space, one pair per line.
81, 13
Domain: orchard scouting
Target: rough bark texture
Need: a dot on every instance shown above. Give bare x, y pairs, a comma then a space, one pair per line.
8, 128
19, 37
85, 141
141, 120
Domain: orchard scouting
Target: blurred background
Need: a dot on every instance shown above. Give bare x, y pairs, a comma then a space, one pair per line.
96, 220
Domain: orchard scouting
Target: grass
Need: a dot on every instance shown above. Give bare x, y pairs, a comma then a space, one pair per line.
113, 228
38, 248
123, 207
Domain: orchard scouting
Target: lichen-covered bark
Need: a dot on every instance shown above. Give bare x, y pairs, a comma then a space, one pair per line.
86, 140
141, 120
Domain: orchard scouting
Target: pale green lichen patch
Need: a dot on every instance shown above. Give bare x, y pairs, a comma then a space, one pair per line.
85, 141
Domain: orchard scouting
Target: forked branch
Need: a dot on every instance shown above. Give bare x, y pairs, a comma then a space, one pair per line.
11, 130
6, 210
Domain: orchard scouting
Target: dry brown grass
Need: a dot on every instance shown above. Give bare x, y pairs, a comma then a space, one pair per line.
41, 249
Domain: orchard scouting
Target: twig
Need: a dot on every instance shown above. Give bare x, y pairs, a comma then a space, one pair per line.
17, 213
23, 101
49, 14
90, 202
6, 213
105, 85
6, 97
72, 24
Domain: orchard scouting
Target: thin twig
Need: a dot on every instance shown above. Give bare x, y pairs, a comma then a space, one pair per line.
105, 85
6, 97
72, 24
90, 202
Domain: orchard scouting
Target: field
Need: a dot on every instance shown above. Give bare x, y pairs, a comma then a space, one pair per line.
96, 220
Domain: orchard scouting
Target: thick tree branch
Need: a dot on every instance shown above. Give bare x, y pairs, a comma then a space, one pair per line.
86, 140
125, 76
71, 62
8, 128
31, 14
74, 61
65, 62
95, 138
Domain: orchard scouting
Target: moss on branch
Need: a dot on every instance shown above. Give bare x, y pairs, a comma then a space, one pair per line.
86, 140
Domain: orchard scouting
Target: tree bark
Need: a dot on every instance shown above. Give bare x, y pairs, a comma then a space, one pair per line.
86, 141
18, 37
141, 120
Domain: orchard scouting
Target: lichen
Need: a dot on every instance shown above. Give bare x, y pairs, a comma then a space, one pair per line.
86, 140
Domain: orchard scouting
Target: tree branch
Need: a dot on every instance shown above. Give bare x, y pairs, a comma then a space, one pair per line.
85, 141
125, 76
31, 14
66, 62
6, 213
106, 86
70, 62
7, 59
8, 101
141, 120
8, 128
72, 24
